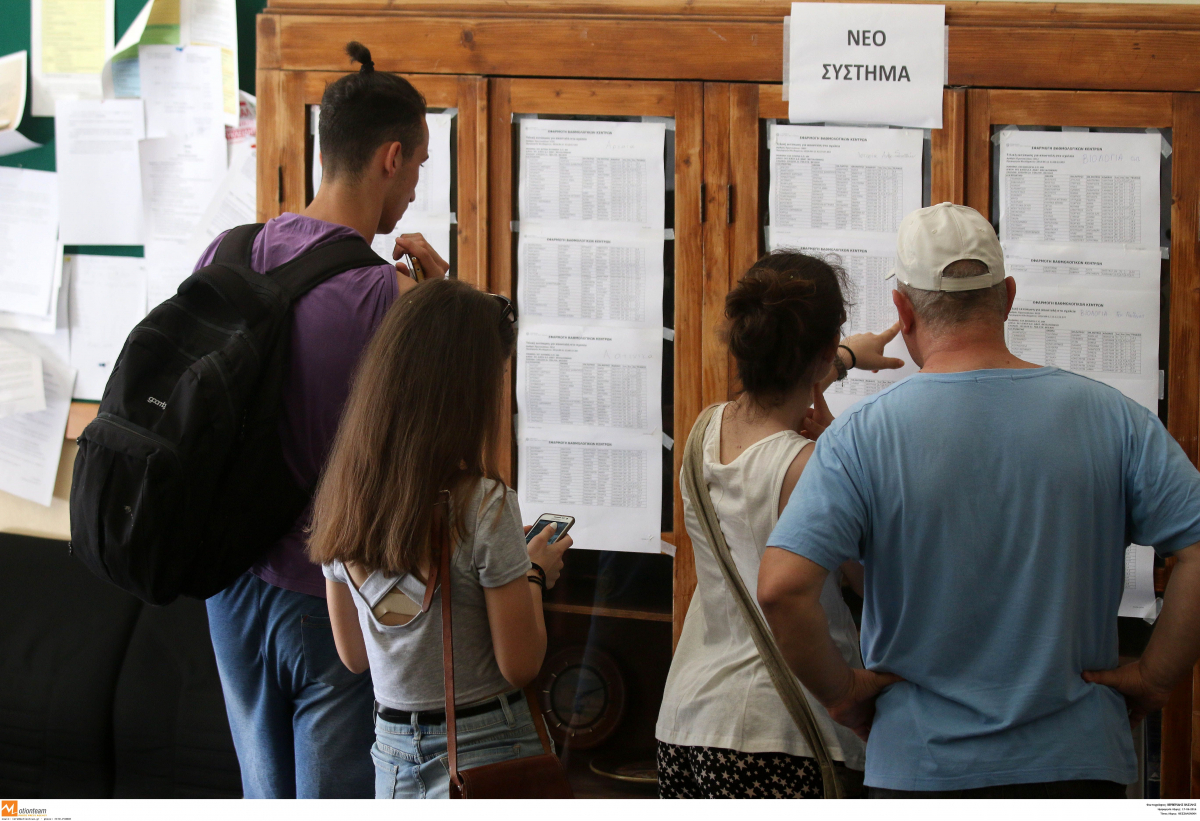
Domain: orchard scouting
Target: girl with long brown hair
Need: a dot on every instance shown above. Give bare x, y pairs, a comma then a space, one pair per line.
412, 461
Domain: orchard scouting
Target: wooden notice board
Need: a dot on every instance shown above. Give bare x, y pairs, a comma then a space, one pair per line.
715, 67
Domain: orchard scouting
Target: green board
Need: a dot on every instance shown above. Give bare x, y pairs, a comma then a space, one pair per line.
14, 36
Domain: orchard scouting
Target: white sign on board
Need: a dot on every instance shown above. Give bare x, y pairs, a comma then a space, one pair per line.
867, 63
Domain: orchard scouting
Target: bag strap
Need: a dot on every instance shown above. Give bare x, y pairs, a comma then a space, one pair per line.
237, 246
781, 676
443, 542
299, 276
442, 539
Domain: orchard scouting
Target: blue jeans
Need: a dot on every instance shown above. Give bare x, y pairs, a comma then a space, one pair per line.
411, 761
301, 721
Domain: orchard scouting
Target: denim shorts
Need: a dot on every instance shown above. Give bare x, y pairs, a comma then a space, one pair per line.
411, 762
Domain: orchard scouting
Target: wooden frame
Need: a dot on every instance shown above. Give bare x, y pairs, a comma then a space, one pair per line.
722, 60
1181, 113
683, 102
283, 166
1025, 45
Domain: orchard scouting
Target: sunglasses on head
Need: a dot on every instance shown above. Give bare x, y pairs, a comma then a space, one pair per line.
507, 309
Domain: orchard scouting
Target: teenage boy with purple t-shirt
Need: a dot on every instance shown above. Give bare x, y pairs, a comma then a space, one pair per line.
301, 722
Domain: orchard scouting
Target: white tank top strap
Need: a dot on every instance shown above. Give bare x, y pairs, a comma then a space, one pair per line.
768, 457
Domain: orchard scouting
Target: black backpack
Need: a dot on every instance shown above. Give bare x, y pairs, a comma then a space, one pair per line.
180, 484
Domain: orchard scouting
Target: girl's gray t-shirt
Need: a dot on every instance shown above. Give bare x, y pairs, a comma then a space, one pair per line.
406, 660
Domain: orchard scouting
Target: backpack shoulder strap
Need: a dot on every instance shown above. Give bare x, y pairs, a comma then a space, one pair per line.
237, 246
781, 675
310, 269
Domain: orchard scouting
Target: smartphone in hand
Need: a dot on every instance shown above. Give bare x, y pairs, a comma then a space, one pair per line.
560, 524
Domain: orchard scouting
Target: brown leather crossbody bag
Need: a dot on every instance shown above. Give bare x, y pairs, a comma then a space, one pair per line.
539, 776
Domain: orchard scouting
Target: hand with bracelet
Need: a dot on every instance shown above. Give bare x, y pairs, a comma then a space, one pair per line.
862, 351
546, 558
865, 352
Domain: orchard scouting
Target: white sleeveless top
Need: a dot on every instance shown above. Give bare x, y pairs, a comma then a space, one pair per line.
718, 691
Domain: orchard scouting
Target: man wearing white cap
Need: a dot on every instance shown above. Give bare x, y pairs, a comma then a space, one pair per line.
990, 501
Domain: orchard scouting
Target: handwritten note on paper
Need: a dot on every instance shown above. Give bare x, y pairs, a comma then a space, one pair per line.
1079, 187
1111, 336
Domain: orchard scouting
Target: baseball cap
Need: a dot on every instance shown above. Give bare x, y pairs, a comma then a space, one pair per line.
932, 238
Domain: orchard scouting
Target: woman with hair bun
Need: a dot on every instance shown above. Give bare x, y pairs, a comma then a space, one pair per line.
723, 731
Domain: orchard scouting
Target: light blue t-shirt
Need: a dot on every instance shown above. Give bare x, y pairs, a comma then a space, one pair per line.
991, 510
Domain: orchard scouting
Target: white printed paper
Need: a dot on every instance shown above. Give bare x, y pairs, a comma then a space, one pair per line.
108, 298
1137, 596
13, 88
877, 64
599, 174
181, 90
1110, 336
168, 263
611, 484
28, 240
21, 388
31, 443
432, 195
96, 151
318, 168
214, 23
867, 260
233, 204
1115, 268
589, 351
179, 179
1079, 187
590, 378
827, 179
45, 323
69, 42
582, 279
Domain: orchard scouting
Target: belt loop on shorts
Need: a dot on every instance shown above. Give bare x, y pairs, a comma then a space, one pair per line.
509, 718
416, 727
